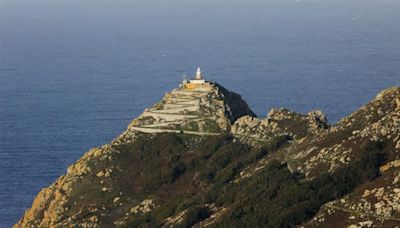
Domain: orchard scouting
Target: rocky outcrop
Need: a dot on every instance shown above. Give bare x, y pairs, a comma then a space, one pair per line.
377, 121
204, 110
51, 206
250, 129
279, 122
376, 203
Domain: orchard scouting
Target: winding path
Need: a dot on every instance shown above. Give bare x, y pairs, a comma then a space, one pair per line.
180, 106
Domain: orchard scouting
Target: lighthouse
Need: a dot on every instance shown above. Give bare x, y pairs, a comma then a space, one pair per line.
197, 82
199, 75
198, 78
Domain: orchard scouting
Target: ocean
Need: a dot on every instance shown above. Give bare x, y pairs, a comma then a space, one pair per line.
73, 74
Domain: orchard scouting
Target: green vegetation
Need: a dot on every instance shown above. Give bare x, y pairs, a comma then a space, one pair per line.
186, 173
192, 126
206, 164
211, 126
278, 198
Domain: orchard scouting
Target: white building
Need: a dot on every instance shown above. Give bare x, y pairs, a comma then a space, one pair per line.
198, 79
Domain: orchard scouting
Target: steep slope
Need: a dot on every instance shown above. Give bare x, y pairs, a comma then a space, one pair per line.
233, 169
376, 121
108, 182
377, 202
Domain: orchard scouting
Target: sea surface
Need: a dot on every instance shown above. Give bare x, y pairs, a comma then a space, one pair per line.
74, 73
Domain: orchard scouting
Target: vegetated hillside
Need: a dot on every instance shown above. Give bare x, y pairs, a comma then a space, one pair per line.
285, 170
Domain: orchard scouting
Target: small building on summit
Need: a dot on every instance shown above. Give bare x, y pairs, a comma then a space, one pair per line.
198, 77
196, 82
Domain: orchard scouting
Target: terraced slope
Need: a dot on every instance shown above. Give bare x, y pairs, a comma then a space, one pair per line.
203, 110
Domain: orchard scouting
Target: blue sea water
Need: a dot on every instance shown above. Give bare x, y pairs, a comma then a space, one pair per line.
74, 73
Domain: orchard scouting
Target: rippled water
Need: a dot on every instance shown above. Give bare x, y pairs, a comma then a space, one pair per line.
74, 73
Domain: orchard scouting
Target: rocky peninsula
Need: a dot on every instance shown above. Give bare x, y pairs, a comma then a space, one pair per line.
200, 157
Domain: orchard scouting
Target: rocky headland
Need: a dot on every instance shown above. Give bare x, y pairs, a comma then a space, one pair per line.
200, 157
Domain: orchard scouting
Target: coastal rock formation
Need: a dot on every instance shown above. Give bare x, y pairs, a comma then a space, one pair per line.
201, 158
375, 203
378, 121
205, 110
279, 122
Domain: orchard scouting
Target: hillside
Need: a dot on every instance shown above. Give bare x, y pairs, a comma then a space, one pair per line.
200, 157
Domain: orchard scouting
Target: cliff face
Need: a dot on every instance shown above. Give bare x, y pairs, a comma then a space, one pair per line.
200, 157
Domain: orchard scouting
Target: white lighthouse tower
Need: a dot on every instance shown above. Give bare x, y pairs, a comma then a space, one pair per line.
199, 75
198, 79
197, 82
